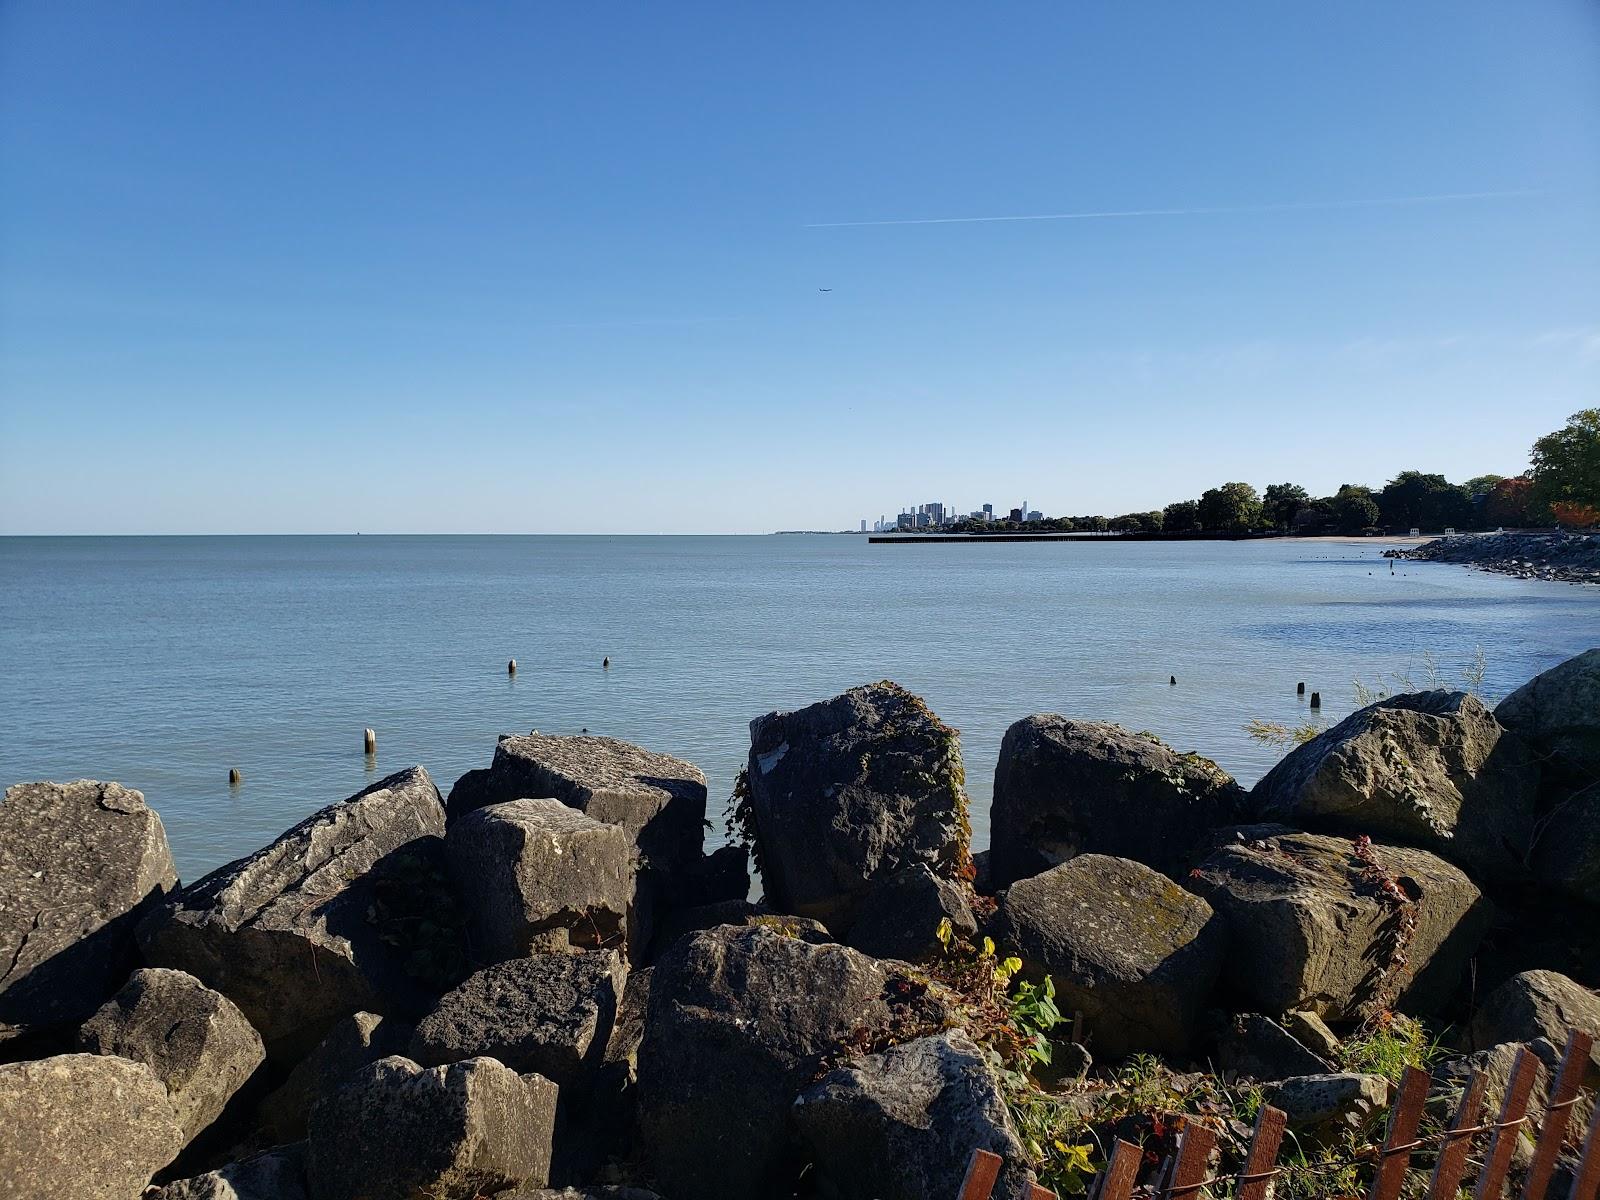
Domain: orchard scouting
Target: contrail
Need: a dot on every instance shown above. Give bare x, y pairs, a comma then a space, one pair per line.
1440, 198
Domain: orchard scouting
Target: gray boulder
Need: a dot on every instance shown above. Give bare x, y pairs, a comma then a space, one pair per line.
1063, 788
1537, 1004
1430, 769
275, 1174
397, 1131
80, 864
900, 917
289, 934
659, 800
353, 1043
901, 1125
685, 921
842, 794
550, 1014
538, 874
1311, 929
1558, 714
1324, 1108
1253, 1046
196, 1041
737, 1021
1497, 1064
88, 1126
1130, 949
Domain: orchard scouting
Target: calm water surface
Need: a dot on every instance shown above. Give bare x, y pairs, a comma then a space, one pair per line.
163, 662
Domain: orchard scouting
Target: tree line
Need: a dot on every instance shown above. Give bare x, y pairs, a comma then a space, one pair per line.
1560, 488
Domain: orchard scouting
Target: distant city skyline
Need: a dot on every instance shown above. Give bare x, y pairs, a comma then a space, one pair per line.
728, 268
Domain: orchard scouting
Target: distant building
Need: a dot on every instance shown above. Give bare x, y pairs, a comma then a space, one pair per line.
1016, 515
864, 523
1035, 515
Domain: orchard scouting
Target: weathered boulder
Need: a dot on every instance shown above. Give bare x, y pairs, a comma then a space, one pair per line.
288, 934
1323, 1108
530, 869
196, 1041
353, 1042
80, 864
901, 1125
1063, 788
550, 1014
685, 921
1537, 1004
1253, 1046
901, 915
1130, 949
397, 1131
469, 793
1429, 769
1558, 714
275, 1174
1313, 927
737, 1021
658, 799
1312, 1032
844, 793
88, 1126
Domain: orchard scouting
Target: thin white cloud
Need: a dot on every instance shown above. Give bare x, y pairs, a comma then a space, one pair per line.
1303, 206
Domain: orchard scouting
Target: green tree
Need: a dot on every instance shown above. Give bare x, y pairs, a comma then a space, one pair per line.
1413, 499
1181, 517
1154, 521
1282, 502
1482, 485
1231, 508
1565, 465
1354, 509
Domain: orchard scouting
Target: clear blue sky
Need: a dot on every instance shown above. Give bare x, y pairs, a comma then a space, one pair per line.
553, 267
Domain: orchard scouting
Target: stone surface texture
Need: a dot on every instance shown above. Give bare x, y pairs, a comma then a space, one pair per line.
849, 791
287, 933
84, 1126
80, 864
1064, 788
529, 868
1130, 949
275, 1174
901, 916
352, 1043
397, 1131
1558, 714
195, 1039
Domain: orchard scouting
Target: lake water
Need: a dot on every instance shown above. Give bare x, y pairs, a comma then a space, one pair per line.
163, 662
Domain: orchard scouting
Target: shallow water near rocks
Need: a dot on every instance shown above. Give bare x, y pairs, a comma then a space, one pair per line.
164, 662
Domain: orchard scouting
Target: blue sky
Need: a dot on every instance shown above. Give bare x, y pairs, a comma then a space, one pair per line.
555, 267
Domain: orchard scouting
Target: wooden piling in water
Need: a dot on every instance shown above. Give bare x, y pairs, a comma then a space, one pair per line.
1316, 699
369, 741
511, 667
1301, 690
234, 777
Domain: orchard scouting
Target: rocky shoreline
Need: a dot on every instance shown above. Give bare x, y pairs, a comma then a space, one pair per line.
1556, 557
543, 986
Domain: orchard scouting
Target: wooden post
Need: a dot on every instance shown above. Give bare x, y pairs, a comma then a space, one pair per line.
1400, 1141
1573, 1064
1194, 1156
1497, 1159
1301, 690
983, 1169
369, 741
1452, 1163
511, 667
234, 777
1116, 1181
1316, 699
1586, 1183
1255, 1177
